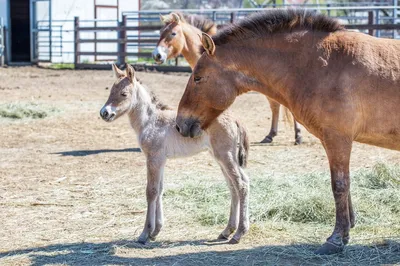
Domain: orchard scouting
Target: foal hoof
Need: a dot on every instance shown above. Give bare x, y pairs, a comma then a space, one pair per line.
298, 141
267, 139
222, 237
142, 240
346, 240
233, 241
329, 248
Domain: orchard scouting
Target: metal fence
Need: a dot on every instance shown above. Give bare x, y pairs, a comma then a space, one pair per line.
1, 42
134, 37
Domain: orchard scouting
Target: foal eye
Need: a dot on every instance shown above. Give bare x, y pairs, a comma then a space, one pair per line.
197, 79
124, 94
173, 34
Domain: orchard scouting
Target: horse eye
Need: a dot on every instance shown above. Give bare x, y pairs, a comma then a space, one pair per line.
197, 79
124, 94
173, 34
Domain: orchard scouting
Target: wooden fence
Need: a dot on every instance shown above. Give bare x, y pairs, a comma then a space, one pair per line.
122, 41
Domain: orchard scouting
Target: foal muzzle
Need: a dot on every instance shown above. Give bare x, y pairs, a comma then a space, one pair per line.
108, 113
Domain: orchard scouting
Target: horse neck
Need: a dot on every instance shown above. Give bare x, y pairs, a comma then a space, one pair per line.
192, 43
143, 113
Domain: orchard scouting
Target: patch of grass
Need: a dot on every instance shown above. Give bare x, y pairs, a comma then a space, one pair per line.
62, 66
25, 110
297, 199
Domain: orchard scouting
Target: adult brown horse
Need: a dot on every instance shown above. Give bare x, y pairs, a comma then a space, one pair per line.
180, 35
342, 86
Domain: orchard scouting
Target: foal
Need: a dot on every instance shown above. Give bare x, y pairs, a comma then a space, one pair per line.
158, 138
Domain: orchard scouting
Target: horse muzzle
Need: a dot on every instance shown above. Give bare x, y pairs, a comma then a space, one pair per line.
160, 54
189, 127
108, 113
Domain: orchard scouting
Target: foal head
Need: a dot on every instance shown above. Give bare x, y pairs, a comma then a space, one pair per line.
122, 95
172, 39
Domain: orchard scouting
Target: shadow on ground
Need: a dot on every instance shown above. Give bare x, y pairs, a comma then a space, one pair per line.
125, 252
93, 152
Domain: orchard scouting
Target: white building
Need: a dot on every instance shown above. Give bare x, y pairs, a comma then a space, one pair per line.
28, 36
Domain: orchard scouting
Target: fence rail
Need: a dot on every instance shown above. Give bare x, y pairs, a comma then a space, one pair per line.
145, 26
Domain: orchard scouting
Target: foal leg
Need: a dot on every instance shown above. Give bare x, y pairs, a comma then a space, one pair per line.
338, 149
233, 222
154, 173
274, 124
159, 208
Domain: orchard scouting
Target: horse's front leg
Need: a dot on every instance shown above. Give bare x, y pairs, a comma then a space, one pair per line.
275, 119
155, 166
338, 149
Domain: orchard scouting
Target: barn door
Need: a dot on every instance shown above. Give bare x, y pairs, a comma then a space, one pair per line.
41, 41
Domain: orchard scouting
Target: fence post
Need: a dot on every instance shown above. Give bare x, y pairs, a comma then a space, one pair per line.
370, 22
377, 18
76, 41
122, 45
233, 17
395, 4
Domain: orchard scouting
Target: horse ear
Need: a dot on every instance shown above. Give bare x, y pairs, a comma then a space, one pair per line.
175, 18
208, 44
163, 19
117, 72
130, 73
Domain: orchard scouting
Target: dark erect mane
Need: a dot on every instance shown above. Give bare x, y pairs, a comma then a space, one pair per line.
273, 21
200, 22
154, 99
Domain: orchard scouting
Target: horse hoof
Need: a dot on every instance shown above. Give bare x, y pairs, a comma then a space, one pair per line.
222, 237
233, 241
298, 141
152, 238
267, 139
329, 248
346, 240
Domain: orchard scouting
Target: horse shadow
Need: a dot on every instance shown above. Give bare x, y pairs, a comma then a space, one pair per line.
81, 153
294, 254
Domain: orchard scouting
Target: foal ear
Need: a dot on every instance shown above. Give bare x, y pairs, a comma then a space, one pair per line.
130, 73
117, 72
175, 18
208, 44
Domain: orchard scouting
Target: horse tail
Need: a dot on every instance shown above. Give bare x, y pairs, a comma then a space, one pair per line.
244, 145
288, 117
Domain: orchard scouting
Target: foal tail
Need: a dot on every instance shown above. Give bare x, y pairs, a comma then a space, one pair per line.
244, 145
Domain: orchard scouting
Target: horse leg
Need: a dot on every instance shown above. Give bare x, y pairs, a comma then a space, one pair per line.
297, 133
159, 208
233, 221
274, 124
338, 149
154, 173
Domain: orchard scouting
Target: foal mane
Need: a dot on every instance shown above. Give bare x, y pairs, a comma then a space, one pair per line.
154, 99
274, 21
202, 23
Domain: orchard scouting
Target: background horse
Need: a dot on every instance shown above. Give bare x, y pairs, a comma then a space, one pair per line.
154, 125
342, 86
181, 35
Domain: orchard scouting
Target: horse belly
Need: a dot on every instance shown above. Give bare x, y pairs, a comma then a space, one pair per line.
388, 140
177, 146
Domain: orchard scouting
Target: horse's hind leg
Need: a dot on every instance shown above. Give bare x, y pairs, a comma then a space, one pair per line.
234, 212
274, 124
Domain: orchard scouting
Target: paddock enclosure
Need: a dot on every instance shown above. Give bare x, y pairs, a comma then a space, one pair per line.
72, 187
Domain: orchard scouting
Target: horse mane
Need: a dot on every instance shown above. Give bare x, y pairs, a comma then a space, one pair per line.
202, 23
274, 21
154, 99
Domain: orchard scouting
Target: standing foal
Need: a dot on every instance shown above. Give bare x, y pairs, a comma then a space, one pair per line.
154, 125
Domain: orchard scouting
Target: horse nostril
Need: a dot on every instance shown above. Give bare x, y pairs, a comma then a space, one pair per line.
105, 114
158, 56
177, 128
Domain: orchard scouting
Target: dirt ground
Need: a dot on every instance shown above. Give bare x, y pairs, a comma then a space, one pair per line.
72, 186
